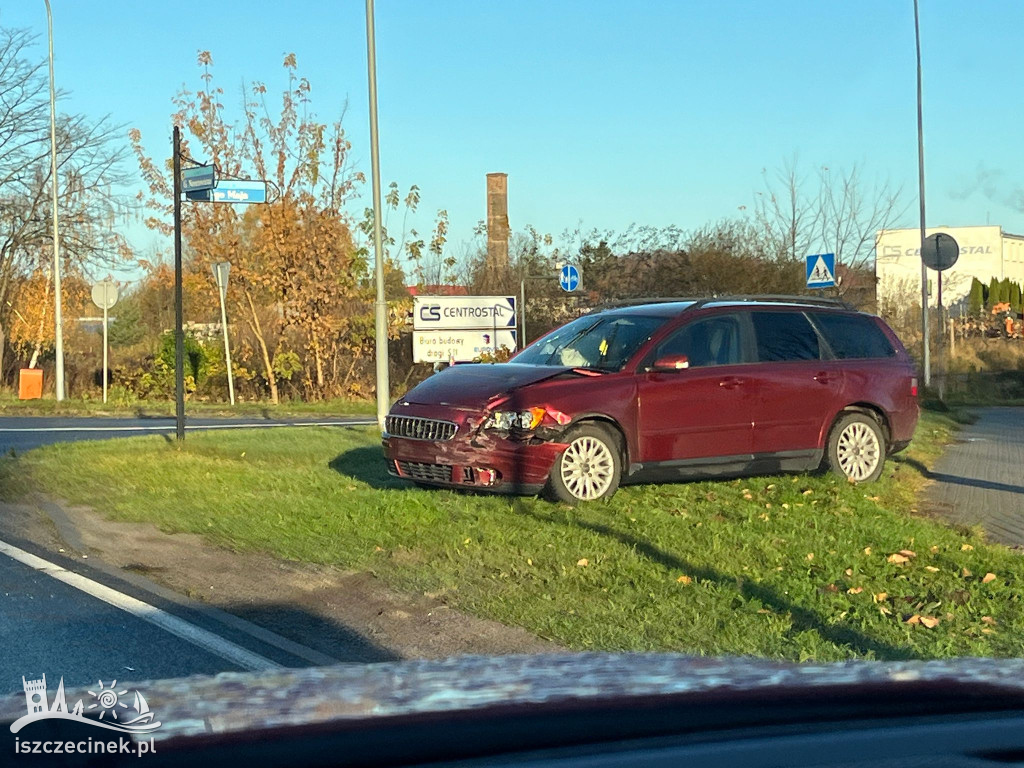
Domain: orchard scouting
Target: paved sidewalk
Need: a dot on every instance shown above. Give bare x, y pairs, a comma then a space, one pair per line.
980, 479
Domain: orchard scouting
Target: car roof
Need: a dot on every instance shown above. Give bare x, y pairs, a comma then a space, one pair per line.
673, 307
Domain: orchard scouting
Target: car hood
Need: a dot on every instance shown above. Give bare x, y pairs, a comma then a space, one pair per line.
472, 385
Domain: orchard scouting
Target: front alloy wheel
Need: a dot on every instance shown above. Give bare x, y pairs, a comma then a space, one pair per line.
590, 468
856, 448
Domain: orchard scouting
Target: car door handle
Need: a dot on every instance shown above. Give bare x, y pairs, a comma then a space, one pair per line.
823, 378
731, 382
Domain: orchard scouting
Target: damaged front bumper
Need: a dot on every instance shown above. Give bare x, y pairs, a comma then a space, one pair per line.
472, 458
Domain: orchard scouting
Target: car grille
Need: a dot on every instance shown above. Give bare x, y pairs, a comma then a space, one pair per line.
430, 473
416, 428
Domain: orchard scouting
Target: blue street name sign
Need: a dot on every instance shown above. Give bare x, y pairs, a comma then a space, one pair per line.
233, 191
569, 278
821, 270
198, 178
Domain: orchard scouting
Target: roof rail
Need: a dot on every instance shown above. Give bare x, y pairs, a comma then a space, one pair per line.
819, 301
701, 301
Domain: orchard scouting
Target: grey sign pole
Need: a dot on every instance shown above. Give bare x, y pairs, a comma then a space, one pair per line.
179, 333
926, 353
104, 296
220, 274
380, 304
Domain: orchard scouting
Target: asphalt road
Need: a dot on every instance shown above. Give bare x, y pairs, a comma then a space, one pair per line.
980, 478
22, 433
51, 628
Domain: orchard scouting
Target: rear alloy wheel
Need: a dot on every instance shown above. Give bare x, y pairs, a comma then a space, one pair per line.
590, 468
856, 448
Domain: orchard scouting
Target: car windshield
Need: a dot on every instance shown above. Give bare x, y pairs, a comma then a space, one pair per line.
603, 343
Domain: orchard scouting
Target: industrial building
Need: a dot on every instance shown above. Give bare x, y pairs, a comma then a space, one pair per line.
985, 252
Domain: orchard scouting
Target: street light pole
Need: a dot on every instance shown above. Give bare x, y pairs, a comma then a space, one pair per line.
926, 353
58, 315
380, 306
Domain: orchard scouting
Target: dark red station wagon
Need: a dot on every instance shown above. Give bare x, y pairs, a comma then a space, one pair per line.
665, 391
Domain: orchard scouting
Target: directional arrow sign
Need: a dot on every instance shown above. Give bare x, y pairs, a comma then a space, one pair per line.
199, 178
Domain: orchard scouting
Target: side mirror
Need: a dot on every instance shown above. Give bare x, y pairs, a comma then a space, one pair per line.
671, 363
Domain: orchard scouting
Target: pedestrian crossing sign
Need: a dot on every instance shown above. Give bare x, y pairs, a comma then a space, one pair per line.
821, 270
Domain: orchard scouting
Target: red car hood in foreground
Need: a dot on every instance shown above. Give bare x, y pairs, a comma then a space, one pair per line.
471, 385
612, 691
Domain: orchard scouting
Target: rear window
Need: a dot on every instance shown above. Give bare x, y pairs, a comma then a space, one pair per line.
853, 336
784, 336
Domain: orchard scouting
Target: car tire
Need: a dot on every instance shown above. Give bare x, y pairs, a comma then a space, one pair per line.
856, 448
590, 467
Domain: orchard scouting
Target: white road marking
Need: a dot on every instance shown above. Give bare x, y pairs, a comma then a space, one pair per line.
168, 427
198, 636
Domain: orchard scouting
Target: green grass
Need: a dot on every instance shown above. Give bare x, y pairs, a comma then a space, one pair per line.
789, 567
10, 405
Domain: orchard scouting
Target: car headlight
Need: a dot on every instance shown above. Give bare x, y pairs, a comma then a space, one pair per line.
527, 420
506, 420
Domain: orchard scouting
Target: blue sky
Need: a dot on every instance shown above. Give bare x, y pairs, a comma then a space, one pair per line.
602, 113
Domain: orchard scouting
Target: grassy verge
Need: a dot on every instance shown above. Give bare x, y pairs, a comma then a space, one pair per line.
10, 405
794, 567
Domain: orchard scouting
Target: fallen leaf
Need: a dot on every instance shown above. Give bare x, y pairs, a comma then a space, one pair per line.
529, 561
848, 571
988, 631
966, 547
930, 621
884, 611
872, 498
810, 555
908, 553
684, 580
378, 549
965, 573
745, 490
931, 568
854, 590
583, 562
466, 541
988, 577
881, 596
895, 558
763, 516
763, 610
747, 496
933, 550
988, 620
808, 492
785, 505
767, 506
831, 588
915, 619
769, 487
867, 550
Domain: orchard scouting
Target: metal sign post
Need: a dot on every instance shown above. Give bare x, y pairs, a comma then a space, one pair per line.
104, 296
220, 275
179, 333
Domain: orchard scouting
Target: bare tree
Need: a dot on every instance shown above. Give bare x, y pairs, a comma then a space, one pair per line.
89, 176
799, 214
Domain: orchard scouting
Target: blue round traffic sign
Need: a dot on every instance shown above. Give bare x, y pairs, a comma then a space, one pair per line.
569, 278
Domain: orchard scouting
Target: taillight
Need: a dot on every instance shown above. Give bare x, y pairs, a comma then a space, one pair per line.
913, 387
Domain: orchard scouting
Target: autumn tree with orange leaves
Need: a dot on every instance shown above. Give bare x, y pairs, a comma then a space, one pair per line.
299, 279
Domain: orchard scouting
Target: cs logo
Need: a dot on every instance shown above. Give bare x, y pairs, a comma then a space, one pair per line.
430, 312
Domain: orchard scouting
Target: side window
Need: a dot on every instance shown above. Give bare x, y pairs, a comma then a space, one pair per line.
853, 336
784, 336
713, 341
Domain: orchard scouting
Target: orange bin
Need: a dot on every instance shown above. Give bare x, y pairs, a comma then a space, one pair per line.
30, 384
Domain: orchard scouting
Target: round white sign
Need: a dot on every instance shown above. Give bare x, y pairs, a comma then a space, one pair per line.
104, 294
